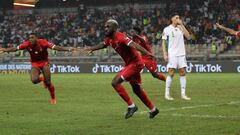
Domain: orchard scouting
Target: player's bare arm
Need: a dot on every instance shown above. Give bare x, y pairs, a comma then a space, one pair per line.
89, 50
140, 49
70, 49
11, 49
231, 31
165, 54
140, 38
184, 30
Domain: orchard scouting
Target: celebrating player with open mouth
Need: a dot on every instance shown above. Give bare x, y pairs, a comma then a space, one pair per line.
127, 49
39, 60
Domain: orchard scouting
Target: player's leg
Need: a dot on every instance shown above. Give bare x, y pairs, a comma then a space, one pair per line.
168, 83
182, 73
116, 84
48, 83
155, 74
159, 76
171, 66
35, 73
152, 67
139, 91
126, 74
182, 79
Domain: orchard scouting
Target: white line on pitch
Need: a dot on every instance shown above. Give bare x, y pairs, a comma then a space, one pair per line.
192, 107
202, 116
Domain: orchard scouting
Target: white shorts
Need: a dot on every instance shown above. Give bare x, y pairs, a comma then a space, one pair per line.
177, 62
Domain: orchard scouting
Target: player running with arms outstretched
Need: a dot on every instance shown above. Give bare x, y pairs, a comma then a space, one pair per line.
231, 31
37, 49
127, 49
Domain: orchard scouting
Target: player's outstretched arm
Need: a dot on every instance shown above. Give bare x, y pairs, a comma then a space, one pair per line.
69, 49
140, 49
140, 38
89, 50
231, 31
11, 49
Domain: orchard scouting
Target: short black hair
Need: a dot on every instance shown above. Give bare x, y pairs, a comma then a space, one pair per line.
173, 14
137, 28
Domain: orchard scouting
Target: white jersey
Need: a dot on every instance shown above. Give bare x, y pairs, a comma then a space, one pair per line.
175, 41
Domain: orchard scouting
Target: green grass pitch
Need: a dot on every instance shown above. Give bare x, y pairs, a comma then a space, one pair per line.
88, 105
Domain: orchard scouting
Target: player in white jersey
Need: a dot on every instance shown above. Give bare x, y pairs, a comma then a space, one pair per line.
174, 53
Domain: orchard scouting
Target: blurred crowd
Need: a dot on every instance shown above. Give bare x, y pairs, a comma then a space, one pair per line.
85, 27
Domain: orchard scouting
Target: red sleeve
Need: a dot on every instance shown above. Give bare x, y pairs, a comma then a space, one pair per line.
50, 45
238, 34
124, 39
23, 46
47, 44
106, 42
145, 38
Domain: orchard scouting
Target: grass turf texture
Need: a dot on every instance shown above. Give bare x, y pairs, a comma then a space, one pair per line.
88, 105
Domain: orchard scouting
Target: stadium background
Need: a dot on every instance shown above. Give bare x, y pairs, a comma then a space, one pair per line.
80, 23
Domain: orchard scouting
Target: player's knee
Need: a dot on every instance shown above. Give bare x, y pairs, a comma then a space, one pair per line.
182, 73
155, 75
114, 84
171, 74
35, 81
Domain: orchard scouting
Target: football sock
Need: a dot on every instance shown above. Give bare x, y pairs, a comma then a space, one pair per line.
183, 84
162, 77
122, 92
51, 90
131, 106
152, 110
168, 85
143, 96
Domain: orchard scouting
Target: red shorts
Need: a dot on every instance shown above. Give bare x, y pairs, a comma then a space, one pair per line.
131, 72
40, 64
150, 64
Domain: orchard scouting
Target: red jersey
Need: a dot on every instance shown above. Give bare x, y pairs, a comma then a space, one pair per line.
146, 46
38, 51
120, 44
238, 34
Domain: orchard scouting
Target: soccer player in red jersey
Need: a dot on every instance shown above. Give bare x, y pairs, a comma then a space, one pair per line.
39, 60
127, 49
231, 31
141, 39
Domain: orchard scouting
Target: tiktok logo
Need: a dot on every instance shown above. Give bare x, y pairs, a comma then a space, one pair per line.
95, 69
107, 68
162, 68
189, 67
53, 68
65, 69
238, 69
